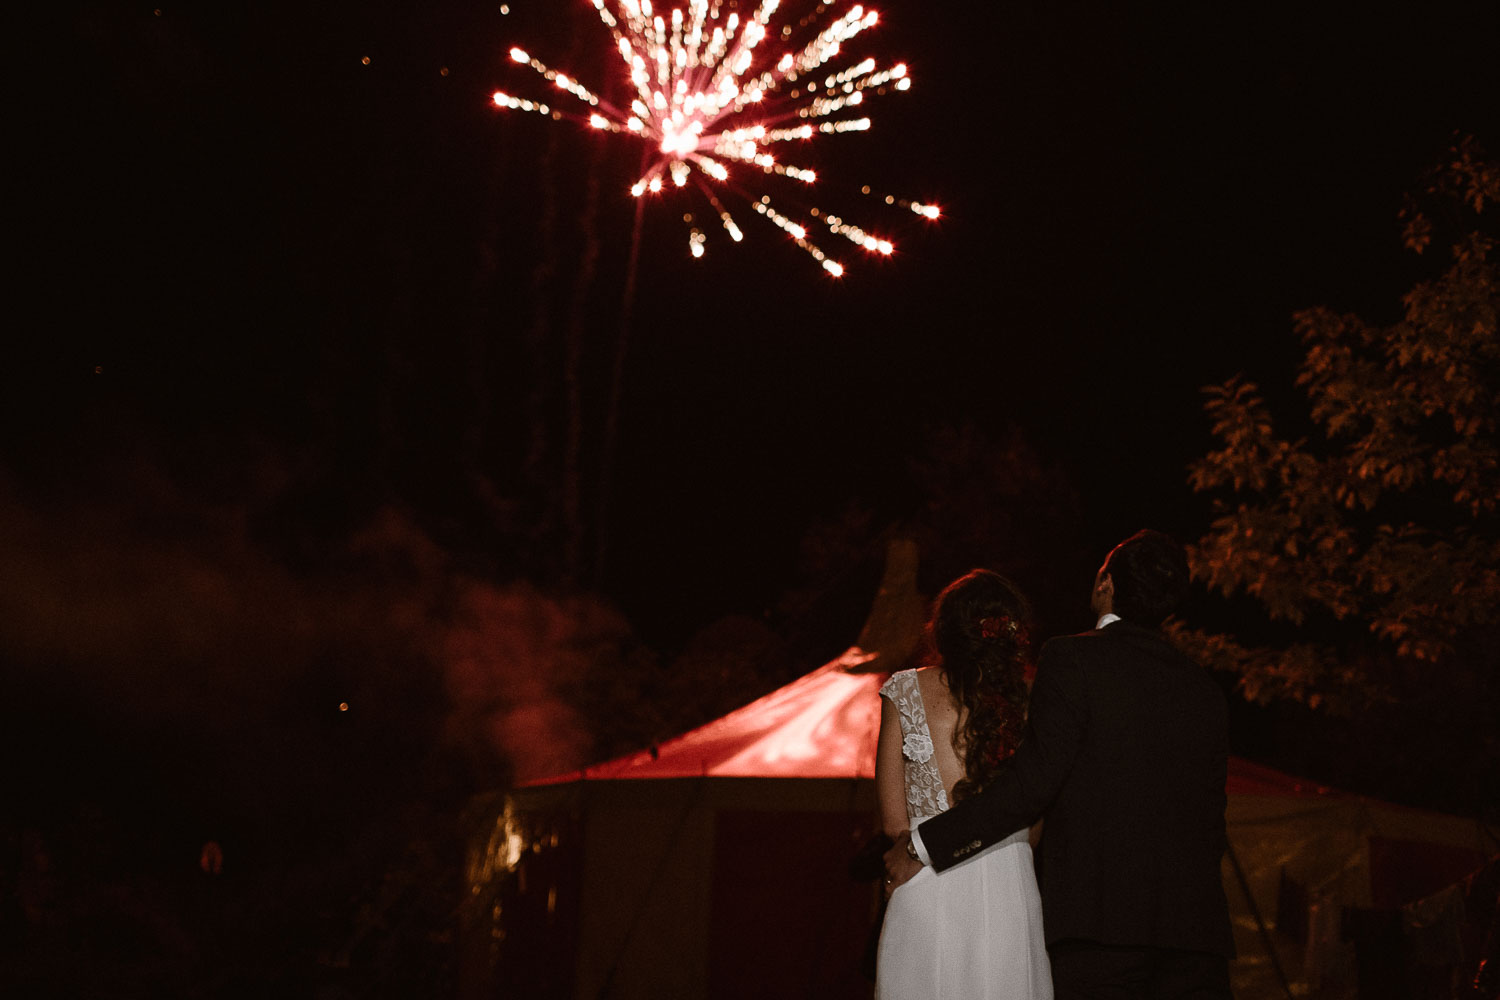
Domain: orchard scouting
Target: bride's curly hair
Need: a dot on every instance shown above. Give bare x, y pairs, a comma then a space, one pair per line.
981, 632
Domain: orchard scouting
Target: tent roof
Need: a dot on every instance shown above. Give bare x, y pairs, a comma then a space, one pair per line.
825, 725
1246, 778
822, 725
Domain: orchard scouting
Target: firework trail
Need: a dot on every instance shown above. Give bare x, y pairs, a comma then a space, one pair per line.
711, 100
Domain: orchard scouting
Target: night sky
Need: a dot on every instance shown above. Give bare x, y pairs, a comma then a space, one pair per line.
281, 308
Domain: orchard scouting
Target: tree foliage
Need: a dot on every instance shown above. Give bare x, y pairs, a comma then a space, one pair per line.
970, 498
1374, 538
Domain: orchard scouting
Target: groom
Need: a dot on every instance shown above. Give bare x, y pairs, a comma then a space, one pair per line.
1125, 757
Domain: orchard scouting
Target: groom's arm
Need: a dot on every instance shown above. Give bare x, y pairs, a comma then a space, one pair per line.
1027, 783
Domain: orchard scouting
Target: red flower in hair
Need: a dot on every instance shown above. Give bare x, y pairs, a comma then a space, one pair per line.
993, 628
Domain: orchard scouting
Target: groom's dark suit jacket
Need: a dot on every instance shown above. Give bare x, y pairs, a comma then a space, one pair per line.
1124, 756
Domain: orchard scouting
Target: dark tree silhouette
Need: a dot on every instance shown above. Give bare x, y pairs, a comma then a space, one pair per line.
1372, 543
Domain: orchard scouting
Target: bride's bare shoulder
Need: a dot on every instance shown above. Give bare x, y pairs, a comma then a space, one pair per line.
930, 679
934, 690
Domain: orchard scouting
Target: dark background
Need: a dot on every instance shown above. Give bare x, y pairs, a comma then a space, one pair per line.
254, 234
287, 412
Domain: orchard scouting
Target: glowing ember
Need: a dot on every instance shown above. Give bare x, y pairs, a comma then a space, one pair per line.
707, 94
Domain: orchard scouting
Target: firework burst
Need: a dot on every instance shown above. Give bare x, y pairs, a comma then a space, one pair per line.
712, 102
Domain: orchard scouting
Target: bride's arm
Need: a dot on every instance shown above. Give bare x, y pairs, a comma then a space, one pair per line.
890, 776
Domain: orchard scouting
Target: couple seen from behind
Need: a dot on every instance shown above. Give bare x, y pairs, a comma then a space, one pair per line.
1121, 756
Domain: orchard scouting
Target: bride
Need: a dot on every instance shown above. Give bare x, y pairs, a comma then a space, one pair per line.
974, 931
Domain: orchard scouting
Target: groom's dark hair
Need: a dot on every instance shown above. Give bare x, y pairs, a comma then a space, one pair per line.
1150, 575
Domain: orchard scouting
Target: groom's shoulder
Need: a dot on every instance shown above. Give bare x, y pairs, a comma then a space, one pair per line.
1120, 639
1075, 640
1069, 648
1094, 643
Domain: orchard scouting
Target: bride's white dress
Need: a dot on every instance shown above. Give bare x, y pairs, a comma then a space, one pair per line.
974, 931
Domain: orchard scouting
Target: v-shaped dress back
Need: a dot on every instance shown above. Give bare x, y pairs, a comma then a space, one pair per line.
975, 931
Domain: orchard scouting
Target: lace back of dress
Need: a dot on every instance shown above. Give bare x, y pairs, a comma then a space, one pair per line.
925, 796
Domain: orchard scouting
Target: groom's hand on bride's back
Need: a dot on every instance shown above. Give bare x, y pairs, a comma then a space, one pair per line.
899, 864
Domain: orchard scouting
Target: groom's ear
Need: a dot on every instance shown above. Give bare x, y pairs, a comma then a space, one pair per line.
1104, 594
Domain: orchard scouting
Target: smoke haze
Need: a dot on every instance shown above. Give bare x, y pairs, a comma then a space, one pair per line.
163, 623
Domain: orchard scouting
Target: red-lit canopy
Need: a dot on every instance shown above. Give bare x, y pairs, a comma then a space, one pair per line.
825, 725
822, 725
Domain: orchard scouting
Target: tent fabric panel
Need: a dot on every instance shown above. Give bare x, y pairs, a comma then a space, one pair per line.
1316, 845
665, 870
647, 869
788, 919
1309, 860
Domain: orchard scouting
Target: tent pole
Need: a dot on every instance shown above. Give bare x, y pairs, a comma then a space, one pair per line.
1260, 924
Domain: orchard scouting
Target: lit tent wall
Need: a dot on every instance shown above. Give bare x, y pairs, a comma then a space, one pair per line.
718, 864
1316, 861
715, 865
